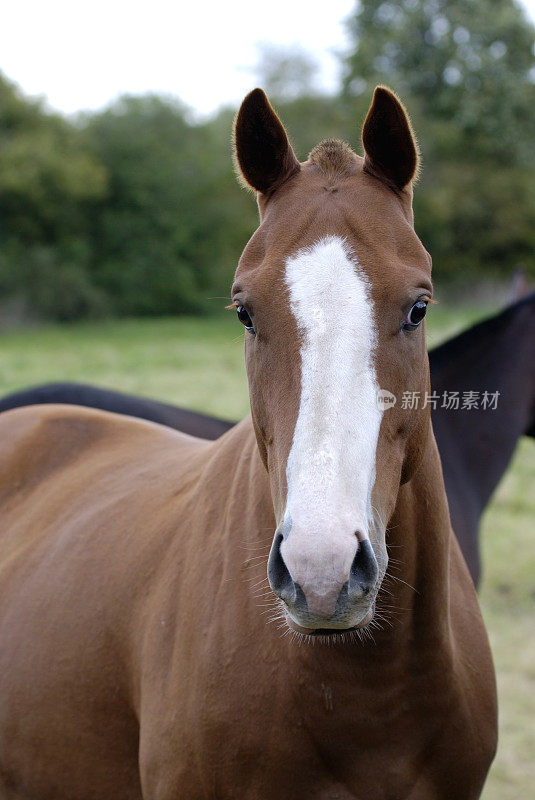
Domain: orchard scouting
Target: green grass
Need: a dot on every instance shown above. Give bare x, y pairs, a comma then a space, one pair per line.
199, 363
191, 362
508, 603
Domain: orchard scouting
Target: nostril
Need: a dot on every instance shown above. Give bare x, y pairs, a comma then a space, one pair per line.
278, 575
364, 570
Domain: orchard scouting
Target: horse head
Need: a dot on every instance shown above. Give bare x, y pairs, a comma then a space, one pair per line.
332, 289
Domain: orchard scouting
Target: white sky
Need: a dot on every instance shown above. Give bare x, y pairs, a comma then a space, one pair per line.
81, 55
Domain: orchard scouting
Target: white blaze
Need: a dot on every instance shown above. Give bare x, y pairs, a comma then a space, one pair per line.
331, 465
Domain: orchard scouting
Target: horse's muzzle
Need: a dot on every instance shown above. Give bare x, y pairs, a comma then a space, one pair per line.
339, 606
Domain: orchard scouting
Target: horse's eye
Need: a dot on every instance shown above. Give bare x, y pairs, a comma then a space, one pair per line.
245, 319
415, 315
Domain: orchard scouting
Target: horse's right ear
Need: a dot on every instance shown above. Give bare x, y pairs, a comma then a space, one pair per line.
263, 154
390, 149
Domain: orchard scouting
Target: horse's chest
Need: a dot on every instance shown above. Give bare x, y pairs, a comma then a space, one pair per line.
270, 732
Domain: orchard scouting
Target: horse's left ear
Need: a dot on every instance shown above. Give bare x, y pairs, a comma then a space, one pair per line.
391, 152
263, 154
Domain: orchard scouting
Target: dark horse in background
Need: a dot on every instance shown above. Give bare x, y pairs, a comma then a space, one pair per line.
475, 445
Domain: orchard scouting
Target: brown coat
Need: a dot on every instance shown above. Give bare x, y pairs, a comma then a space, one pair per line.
132, 627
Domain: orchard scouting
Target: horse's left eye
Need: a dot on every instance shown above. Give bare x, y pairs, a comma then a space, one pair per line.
415, 315
245, 319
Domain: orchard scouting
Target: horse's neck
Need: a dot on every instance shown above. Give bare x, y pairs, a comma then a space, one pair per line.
500, 359
418, 539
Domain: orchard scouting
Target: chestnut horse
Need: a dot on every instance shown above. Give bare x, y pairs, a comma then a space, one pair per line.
135, 661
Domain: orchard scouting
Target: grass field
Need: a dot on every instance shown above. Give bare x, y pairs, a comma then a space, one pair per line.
199, 363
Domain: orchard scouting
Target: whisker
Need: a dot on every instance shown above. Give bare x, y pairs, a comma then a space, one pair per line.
395, 578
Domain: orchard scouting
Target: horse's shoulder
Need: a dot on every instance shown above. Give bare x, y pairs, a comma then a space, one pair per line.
49, 424
36, 441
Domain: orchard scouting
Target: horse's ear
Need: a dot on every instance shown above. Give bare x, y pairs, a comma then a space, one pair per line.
263, 154
390, 149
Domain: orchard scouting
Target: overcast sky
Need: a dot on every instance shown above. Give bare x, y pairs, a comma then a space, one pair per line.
82, 55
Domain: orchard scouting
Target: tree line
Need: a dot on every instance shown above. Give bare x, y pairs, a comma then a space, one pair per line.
135, 210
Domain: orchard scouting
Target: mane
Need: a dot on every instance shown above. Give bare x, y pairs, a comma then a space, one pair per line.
333, 157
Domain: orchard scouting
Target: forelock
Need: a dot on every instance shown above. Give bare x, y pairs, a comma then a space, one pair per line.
333, 157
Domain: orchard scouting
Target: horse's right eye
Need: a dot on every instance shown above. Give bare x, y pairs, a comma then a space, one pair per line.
245, 319
415, 315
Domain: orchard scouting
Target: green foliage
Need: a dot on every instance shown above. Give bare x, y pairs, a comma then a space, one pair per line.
48, 183
466, 61
135, 210
51, 282
466, 69
142, 231
164, 236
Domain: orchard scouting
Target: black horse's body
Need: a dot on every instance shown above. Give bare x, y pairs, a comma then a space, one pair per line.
476, 445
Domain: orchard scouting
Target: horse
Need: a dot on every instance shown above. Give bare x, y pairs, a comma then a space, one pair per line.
475, 445
135, 661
